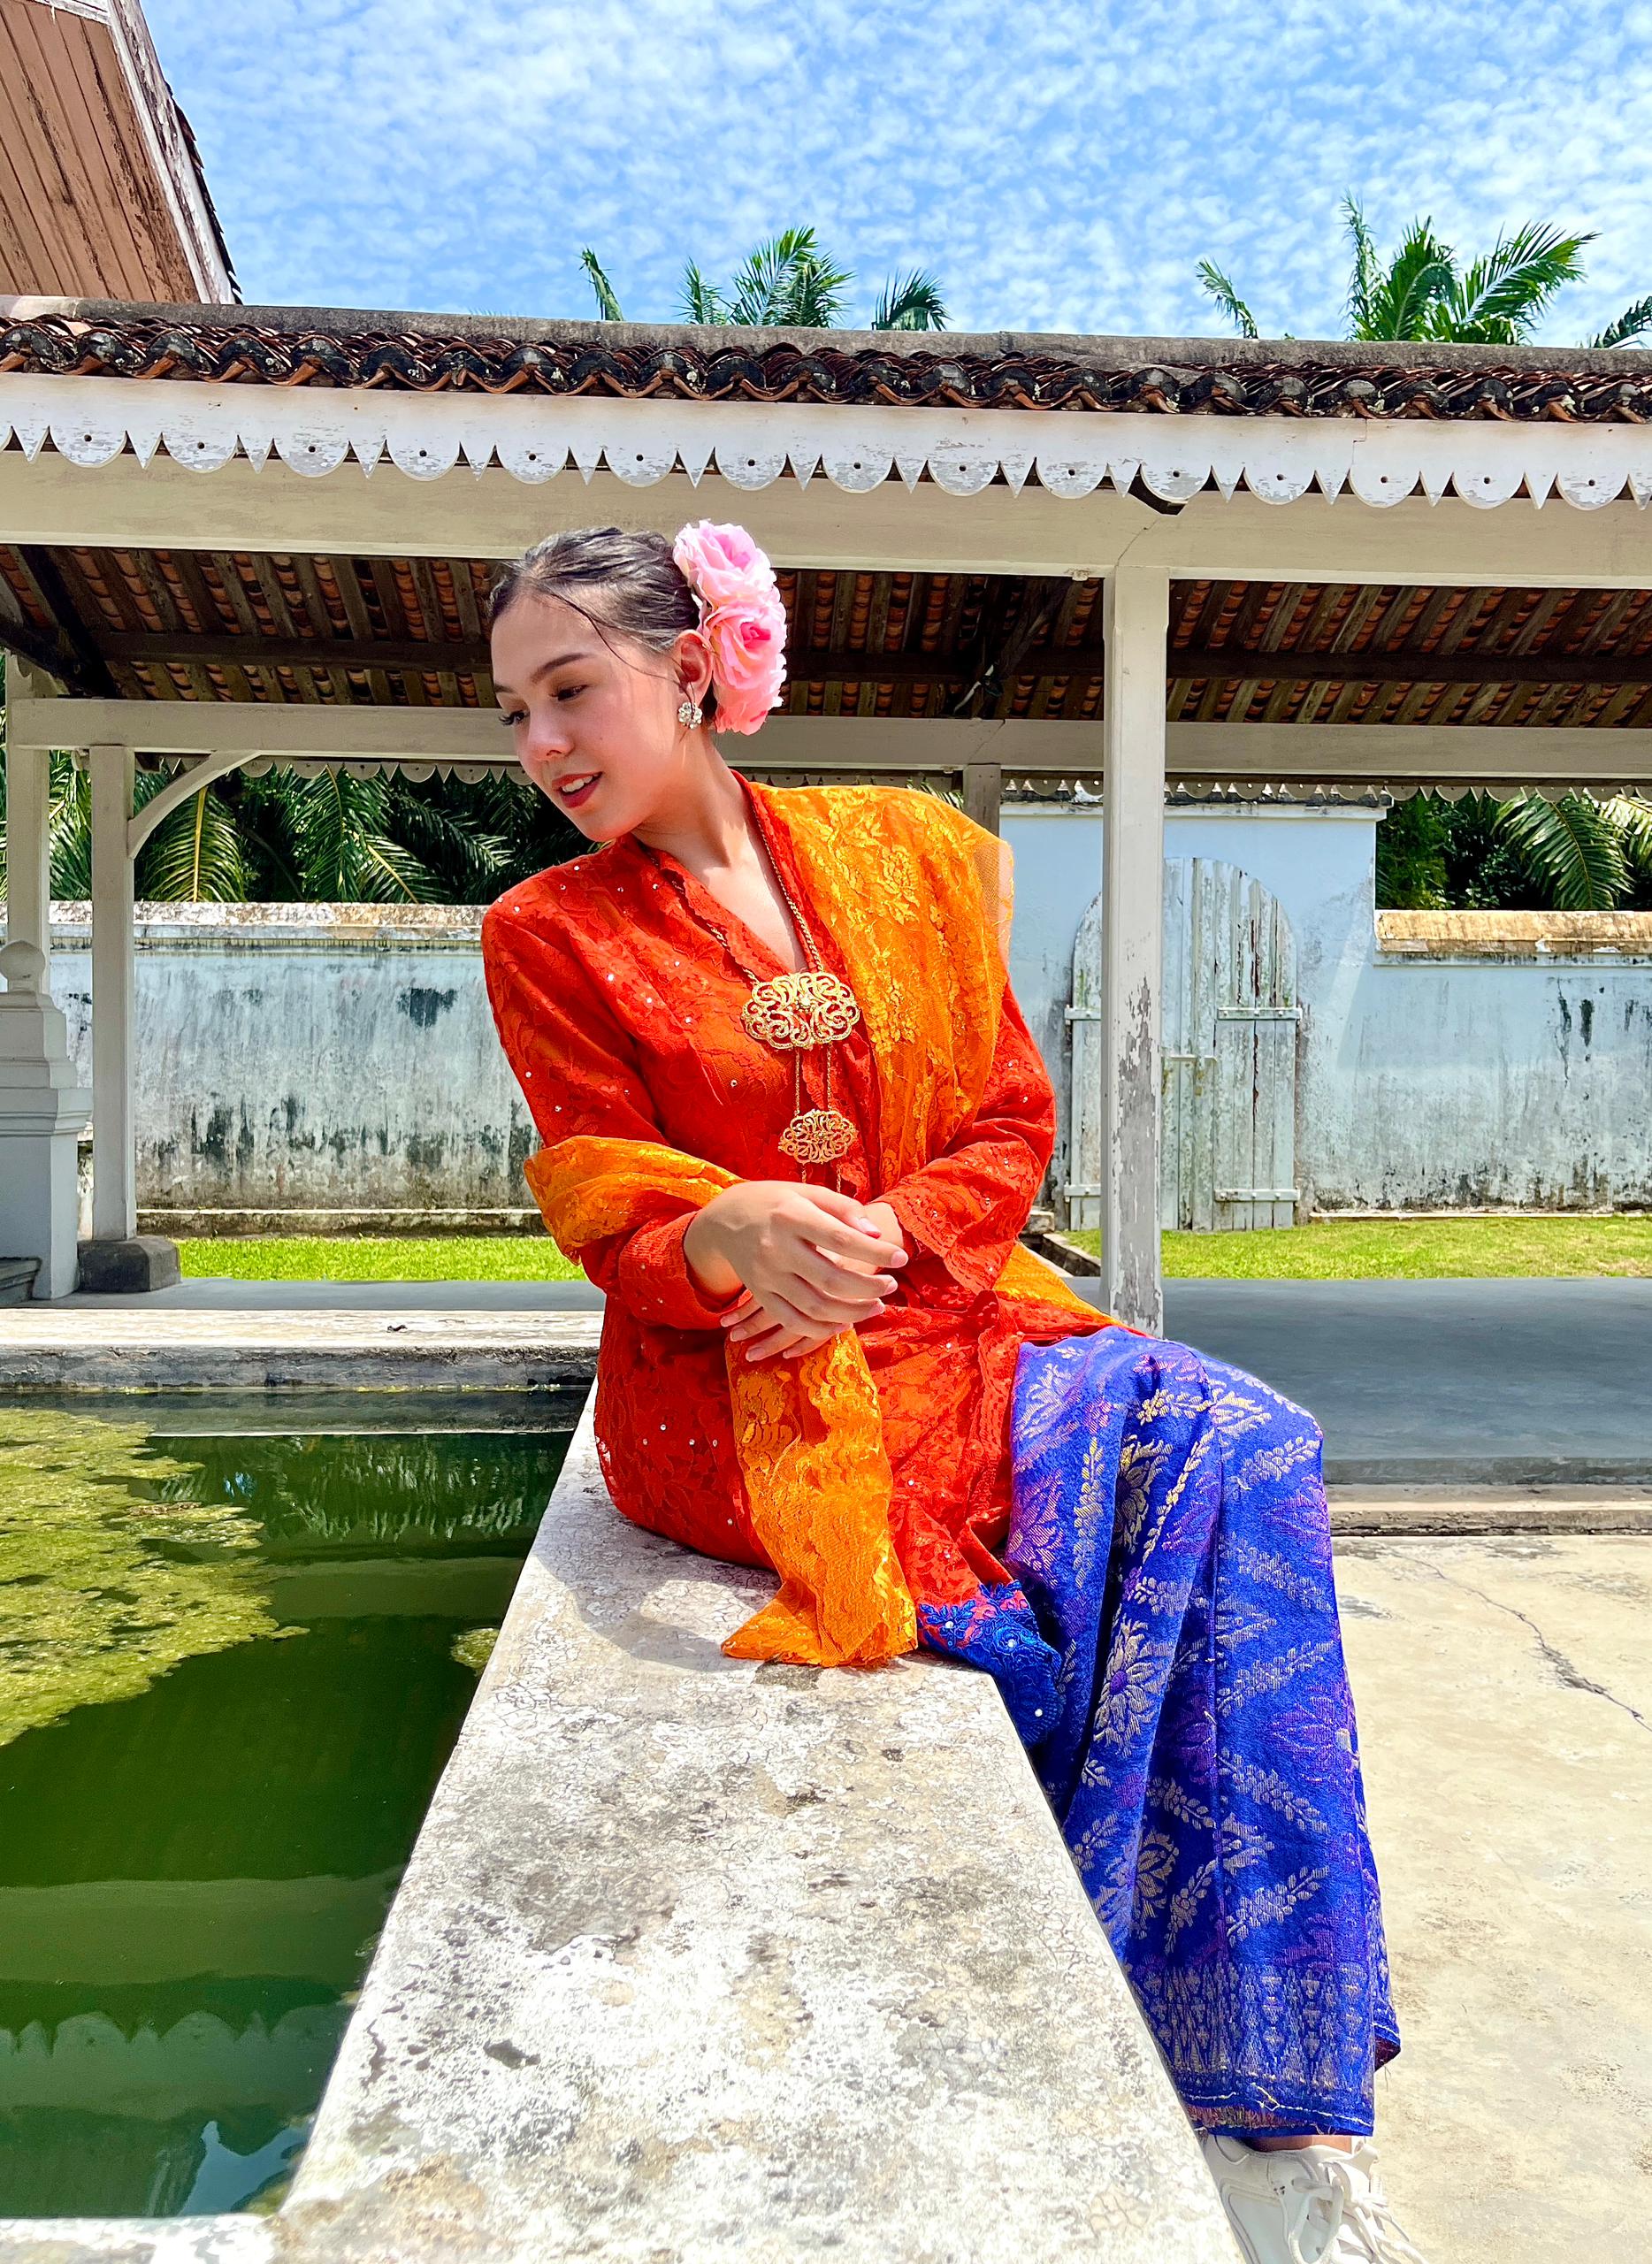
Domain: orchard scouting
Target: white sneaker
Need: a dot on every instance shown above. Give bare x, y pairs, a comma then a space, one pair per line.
1306, 2205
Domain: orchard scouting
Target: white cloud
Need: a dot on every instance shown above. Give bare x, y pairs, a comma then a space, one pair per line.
1058, 167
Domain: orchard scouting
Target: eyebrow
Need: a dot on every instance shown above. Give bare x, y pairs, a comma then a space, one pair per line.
547, 667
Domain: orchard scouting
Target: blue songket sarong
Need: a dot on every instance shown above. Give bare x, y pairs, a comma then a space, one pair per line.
1169, 1651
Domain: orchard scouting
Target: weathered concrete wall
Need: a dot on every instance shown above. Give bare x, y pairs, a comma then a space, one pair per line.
312, 1057
1437, 1067
1489, 1082
1319, 863
342, 1058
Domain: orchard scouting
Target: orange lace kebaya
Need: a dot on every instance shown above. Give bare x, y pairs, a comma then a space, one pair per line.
873, 1475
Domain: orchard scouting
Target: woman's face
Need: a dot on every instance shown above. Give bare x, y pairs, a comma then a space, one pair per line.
594, 724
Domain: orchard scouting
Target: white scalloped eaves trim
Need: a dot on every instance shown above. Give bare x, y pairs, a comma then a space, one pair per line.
752, 444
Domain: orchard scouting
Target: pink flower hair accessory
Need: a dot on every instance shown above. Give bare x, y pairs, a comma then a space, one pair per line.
741, 617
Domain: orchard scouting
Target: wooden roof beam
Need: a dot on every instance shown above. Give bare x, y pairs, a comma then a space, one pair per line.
69, 652
87, 660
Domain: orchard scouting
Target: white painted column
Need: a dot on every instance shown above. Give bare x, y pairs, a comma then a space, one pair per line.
984, 794
114, 1159
29, 850
1135, 624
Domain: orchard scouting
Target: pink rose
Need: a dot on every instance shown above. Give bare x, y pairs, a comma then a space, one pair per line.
742, 618
748, 659
721, 564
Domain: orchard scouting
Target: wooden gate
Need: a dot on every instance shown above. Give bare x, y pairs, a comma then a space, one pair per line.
1230, 1039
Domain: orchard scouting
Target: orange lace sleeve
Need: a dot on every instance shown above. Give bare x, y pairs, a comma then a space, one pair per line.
578, 1074
969, 1203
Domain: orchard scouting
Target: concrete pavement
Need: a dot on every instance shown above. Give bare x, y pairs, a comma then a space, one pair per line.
1504, 1696
1450, 1382
1482, 1383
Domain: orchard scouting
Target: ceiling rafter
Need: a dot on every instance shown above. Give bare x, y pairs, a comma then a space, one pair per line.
1015, 658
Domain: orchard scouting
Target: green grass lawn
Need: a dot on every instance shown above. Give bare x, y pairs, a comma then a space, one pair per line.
1349, 1250
378, 1257
1416, 1250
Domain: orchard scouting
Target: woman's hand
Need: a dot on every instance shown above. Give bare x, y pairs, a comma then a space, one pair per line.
812, 1262
766, 1334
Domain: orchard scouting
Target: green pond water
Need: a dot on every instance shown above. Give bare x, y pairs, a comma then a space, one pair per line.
237, 1642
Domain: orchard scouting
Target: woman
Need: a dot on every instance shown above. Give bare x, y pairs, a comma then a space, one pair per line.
793, 1124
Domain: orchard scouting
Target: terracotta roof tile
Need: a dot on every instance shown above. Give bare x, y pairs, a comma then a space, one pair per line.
1198, 377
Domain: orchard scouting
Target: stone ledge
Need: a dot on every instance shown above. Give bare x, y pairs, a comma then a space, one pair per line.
137, 2240
697, 1959
172, 1350
17, 1280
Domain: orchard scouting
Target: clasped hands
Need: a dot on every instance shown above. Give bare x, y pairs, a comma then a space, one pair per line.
810, 1261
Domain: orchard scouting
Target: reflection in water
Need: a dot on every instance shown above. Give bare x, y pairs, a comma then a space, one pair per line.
231, 1671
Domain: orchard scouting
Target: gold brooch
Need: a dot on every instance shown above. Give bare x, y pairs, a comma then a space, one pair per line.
820, 1135
795, 1012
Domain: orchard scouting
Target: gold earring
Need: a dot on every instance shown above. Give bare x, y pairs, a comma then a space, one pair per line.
689, 712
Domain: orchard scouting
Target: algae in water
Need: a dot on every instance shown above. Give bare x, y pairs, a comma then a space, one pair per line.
104, 1587
475, 1647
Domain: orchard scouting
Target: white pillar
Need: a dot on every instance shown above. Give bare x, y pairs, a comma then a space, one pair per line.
1134, 626
42, 1114
29, 850
984, 794
114, 1174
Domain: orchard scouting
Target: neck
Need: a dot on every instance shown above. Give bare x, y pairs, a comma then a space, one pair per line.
704, 823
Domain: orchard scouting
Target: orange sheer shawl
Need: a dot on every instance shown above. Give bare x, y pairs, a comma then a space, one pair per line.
917, 898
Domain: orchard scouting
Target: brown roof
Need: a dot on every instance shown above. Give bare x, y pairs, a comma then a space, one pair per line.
101, 182
168, 624
332, 347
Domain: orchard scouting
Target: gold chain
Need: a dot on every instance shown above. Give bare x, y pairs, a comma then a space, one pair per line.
795, 1013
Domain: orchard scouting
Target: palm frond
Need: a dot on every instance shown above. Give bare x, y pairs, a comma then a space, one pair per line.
1219, 286
71, 829
1499, 300
817, 295
755, 294
608, 309
910, 302
1626, 326
194, 855
1402, 298
265, 809
1569, 849
471, 863
1411, 856
788, 283
345, 851
1632, 814
702, 301
533, 829
385, 872
1363, 270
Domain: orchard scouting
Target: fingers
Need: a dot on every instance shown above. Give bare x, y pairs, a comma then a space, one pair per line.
784, 1344
815, 1312
842, 1285
788, 1344
773, 1320
851, 1234
835, 1297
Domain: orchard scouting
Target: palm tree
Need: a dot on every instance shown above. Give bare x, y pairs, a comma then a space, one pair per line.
790, 282
1576, 854
1478, 854
1424, 292
333, 838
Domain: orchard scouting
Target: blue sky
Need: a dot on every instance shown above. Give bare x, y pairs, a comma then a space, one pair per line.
1058, 167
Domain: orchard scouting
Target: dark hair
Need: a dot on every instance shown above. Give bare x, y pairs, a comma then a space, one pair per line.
627, 583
